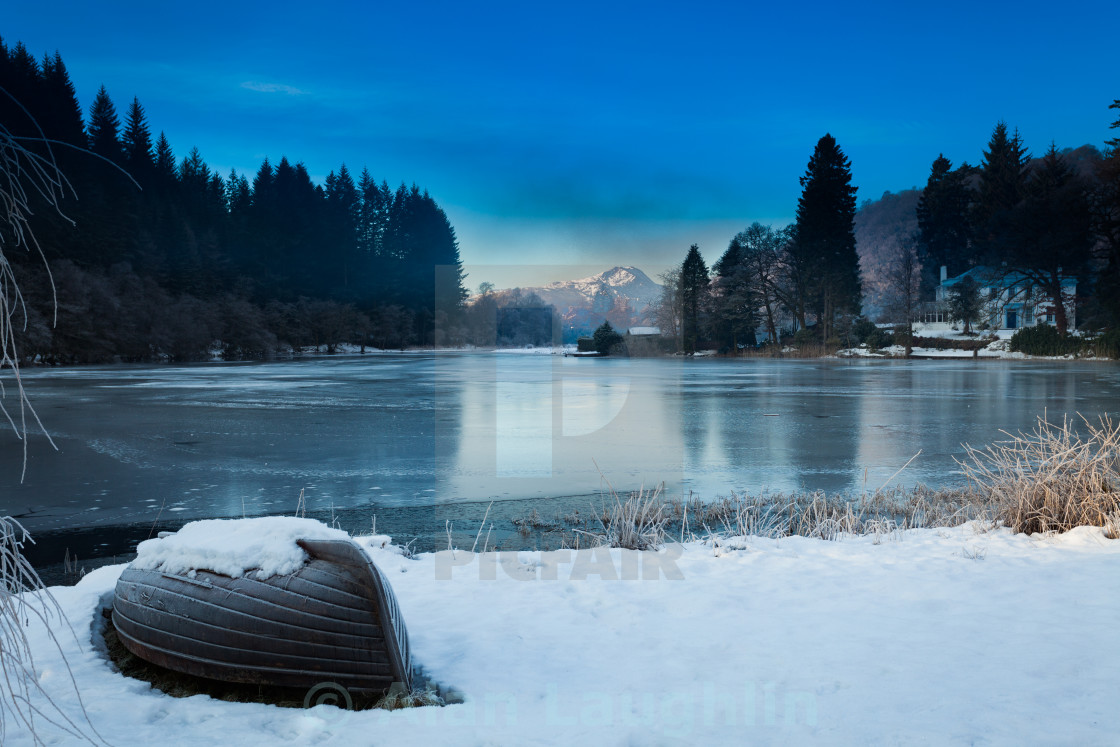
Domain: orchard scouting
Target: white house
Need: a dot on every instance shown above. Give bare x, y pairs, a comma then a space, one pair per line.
1010, 300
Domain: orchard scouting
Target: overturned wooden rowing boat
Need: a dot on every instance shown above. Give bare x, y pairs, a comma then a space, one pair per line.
335, 620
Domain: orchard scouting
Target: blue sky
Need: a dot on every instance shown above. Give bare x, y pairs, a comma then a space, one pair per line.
593, 134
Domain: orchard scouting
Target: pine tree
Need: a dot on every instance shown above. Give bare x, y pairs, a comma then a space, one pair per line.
64, 122
238, 196
216, 193
263, 185
137, 142
343, 204
194, 174
825, 235
166, 172
734, 298
1053, 236
1002, 186
24, 103
606, 338
944, 226
102, 130
694, 286
726, 265
367, 212
965, 303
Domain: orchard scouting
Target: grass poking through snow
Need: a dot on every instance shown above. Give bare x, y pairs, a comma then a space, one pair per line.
1060, 476
1057, 477
25, 602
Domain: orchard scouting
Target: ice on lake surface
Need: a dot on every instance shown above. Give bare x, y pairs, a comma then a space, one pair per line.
437, 428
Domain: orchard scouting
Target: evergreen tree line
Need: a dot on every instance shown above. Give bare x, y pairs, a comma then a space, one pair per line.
1040, 220
155, 257
806, 274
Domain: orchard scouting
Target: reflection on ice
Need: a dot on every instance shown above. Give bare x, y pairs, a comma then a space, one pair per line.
433, 428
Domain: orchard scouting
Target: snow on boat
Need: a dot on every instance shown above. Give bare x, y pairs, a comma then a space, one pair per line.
333, 619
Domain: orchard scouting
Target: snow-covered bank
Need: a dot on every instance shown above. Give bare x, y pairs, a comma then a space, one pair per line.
931, 636
997, 347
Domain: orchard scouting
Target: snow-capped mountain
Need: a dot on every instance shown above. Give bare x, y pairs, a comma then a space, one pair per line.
621, 295
602, 292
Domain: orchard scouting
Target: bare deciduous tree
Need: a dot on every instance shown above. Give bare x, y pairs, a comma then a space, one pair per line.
27, 177
904, 278
667, 309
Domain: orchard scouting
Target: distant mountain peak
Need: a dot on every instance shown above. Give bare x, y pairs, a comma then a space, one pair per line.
616, 277
585, 302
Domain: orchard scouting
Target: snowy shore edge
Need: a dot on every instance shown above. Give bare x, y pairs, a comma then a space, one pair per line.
957, 635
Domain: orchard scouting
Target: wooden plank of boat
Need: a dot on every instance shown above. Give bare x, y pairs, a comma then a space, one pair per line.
336, 619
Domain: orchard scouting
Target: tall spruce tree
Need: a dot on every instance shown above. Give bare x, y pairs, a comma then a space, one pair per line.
166, 172
343, 206
20, 76
694, 286
238, 196
944, 223
137, 141
103, 128
194, 175
64, 122
735, 297
367, 224
1003, 179
1053, 237
825, 236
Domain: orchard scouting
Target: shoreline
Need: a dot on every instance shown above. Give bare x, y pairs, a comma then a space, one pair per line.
788, 354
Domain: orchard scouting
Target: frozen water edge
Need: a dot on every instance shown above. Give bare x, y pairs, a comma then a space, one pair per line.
928, 636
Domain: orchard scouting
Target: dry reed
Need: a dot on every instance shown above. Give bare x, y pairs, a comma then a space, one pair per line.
395, 699
23, 598
1055, 478
639, 522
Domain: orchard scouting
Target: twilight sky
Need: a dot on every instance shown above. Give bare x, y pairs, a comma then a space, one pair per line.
592, 134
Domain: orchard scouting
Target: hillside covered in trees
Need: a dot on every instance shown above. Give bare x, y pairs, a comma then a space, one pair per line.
158, 257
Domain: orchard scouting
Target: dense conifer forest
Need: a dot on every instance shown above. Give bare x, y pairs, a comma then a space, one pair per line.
158, 257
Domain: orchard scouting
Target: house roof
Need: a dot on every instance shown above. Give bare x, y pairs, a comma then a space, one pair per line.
640, 331
989, 276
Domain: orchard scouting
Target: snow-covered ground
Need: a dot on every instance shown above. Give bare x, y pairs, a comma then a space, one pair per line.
998, 348
950, 636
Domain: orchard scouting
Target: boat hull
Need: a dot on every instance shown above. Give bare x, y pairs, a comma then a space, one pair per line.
335, 620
